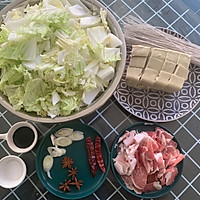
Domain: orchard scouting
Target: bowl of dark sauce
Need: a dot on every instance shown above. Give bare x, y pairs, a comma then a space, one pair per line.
21, 137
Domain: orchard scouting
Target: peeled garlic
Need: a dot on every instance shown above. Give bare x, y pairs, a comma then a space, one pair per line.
77, 135
63, 141
55, 151
63, 132
47, 164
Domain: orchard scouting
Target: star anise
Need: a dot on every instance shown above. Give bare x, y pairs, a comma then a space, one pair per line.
67, 162
65, 186
73, 172
77, 183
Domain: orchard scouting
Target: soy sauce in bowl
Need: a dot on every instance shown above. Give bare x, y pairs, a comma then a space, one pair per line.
23, 137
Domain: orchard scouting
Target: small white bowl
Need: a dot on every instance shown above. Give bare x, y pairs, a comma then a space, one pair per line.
12, 171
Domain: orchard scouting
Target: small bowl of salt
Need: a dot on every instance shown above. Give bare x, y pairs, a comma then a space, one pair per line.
12, 171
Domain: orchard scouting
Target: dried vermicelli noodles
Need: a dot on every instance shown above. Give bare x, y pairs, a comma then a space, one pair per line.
140, 33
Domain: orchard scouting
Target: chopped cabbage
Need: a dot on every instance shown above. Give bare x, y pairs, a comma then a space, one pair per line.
56, 56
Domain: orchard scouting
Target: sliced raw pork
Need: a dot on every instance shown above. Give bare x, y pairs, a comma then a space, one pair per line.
147, 161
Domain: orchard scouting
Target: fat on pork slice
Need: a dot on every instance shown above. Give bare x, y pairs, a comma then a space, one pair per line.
147, 161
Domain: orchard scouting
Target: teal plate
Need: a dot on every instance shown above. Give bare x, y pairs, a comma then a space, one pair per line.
145, 127
78, 152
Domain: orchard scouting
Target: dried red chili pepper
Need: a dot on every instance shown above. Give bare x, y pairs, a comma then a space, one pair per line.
98, 154
91, 155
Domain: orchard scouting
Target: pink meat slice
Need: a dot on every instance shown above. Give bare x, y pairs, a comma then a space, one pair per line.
162, 141
167, 135
177, 160
159, 160
137, 158
121, 165
152, 186
173, 143
131, 150
120, 156
152, 178
152, 134
142, 150
140, 136
155, 167
170, 149
162, 180
129, 140
170, 175
148, 142
124, 136
132, 164
139, 177
167, 157
129, 184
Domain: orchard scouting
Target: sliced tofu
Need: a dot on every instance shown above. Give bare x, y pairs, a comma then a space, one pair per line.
172, 56
155, 64
175, 84
138, 62
184, 60
133, 75
141, 87
169, 67
139, 50
181, 72
158, 53
161, 81
148, 77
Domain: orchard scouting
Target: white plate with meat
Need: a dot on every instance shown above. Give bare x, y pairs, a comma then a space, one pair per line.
147, 160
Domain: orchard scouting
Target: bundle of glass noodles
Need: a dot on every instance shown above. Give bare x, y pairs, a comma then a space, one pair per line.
139, 33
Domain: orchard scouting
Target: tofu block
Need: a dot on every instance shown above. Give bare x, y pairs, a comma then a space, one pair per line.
132, 76
158, 53
155, 64
141, 87
161, 81
175, 84
169, 67
184, 60
157, 68
139, 50
148, 77
138, 62
181, 72
172, 56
